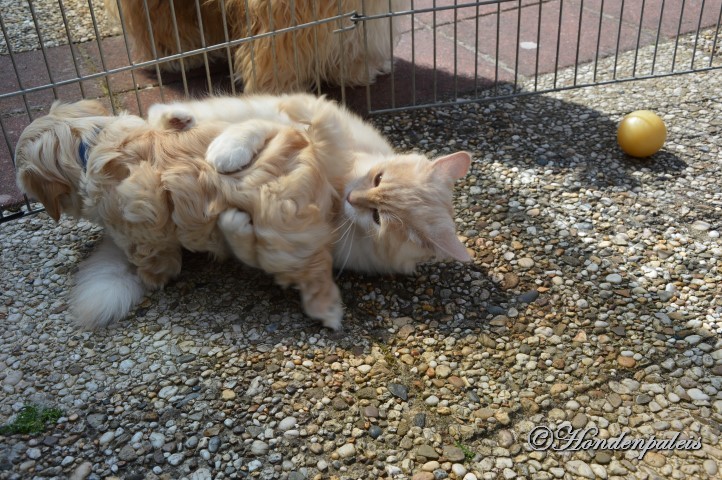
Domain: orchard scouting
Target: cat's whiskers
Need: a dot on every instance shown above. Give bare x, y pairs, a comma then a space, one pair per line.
342, 225
345, 237
395, 217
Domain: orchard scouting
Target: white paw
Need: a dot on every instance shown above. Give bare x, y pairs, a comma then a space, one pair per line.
170, 117
235, 222
179, 120
332, 317
228, 154
155, 114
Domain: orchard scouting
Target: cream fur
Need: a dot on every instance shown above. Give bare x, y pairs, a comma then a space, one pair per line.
306, 185
154, 192
414, 198
286, 62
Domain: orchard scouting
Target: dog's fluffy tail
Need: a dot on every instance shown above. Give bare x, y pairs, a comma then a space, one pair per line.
106, 287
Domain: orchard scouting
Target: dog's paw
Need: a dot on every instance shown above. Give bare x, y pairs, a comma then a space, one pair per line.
235, 222
179, 120
171, 117
228, 154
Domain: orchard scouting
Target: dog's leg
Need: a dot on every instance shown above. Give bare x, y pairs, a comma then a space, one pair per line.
170, 117
156, 266
237, 228
236, 146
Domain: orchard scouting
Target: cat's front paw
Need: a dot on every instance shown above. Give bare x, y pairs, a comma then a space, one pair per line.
328, 310
228, 154
332, 317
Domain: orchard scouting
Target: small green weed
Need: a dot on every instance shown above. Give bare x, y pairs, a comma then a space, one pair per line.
468, 453
32, 419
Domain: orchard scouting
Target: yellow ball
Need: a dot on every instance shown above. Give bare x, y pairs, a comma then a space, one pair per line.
641, 133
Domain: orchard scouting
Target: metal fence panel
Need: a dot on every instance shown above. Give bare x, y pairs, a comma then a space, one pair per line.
444, 51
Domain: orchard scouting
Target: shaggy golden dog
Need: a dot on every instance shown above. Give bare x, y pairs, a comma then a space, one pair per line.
286, 62
154, 192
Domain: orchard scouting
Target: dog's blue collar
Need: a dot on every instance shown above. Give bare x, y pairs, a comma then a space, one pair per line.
83, 151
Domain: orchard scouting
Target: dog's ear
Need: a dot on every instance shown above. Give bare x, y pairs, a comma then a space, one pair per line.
46, 191
83, 108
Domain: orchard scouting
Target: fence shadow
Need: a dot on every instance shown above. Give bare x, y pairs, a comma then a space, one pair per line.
537, 136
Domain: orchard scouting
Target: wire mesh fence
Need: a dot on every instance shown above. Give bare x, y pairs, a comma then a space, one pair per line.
375, 55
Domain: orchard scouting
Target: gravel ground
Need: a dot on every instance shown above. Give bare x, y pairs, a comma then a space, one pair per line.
594, 301
23, 32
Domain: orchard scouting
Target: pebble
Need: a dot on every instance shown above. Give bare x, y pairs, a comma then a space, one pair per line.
701, 226
525, 262
399, 391
443, 371
106, 438
427, 452
453, 454
347, 450
168, 392
626, 362
710, 467
82, 471
655, 459
458, 469
96, 420
227, 395
423, 476
505, 438
528, 297
591, 300
157, 439
578, 467
259, 447
202, 474
33, 453
697, 394
287, 424
12, 377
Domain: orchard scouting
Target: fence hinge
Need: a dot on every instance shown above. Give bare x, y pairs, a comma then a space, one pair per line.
354, 19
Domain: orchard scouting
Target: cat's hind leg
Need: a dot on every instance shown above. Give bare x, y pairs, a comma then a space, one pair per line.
238, 144
237, 229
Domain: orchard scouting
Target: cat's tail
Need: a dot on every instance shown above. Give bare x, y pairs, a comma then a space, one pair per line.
106, 287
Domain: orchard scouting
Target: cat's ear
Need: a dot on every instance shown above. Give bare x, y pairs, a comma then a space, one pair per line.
447, 245
452, 167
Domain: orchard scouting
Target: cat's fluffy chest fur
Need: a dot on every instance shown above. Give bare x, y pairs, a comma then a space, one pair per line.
396, 209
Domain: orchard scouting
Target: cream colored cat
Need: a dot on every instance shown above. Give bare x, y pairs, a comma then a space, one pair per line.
396, 208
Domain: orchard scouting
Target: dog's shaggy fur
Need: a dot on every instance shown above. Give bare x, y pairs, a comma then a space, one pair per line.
155, 193
287, 62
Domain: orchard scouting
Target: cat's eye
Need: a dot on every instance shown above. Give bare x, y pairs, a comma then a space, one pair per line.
376, 216
377, 179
